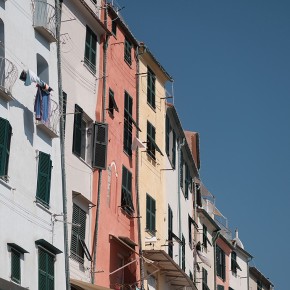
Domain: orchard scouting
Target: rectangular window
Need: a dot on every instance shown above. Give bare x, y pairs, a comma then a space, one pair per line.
151, 140
170, 229
151, 87
183, 254
220, 263
64, 104
100, 145
5, 139
170, 142
234, 263
15, 266
181, 169
114, 27
204, 236
259, 285
126, 195
112, 103
45, 270
150, 213
187, 181
43, 178
128, 123
204, 279
90, 50
78, 234
77, 132
127, 51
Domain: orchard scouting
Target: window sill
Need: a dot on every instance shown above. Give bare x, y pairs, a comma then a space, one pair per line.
87, 66
127, 212
128, 63
43, 206
153, 109
5, 181
151, 232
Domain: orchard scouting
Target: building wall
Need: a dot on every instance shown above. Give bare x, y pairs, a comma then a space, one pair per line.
23, 220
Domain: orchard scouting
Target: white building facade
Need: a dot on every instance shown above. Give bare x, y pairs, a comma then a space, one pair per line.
31, 241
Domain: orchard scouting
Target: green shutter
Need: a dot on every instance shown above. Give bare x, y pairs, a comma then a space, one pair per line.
43, 178
173, 149
5, 138
15, 266
204, 236
170, 226
100, 145
77, 134
128, 123
150, 213
126, 194
151, 87
91, 49
45, 270
167, 136
181, 169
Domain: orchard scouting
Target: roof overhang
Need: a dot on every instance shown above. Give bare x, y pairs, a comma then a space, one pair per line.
4, 284
175, 275
82, 285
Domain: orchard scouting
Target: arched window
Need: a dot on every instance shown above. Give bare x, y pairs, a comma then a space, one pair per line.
42, 68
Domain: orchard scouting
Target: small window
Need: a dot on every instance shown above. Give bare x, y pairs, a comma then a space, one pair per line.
187, 181
15, 266
45, 270
234, 264
42, 68
150, 213
151, 140
127, 51
43, 178
90, 50
170, 143
78, 246
126, 194
128, 123
5, 140
204, 236
114, 27
220, 263
183, 254
170, 231
151, 87
112, 103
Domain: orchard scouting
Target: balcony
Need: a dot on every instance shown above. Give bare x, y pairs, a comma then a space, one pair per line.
8, 76
44, 20
50, 127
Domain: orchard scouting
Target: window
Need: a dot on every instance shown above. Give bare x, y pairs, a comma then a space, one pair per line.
204, 236
187, 181
90, 50
114, 27
5, 139
220, 263
126, 196
181, 169
127, 51
64, 103
170, 142
204, 279
191, 223
259, 285
112, 103
78, 246
43, 178
234, 264
220, 287
82, 135
42, 68
128, 124
151, 140
183, 254
150, 213
170, 231
15, 266
151, 87
100, 145
45, 270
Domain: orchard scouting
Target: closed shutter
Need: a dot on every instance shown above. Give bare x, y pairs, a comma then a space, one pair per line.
77, 134
167, 136
100, 145
44, 178
181, 169
220, 287
170, 226
173, 149
45, 270
150, 213
5, 138
15, 266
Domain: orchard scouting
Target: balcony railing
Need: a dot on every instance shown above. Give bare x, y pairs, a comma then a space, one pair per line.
50, 126
44, 20
8, 76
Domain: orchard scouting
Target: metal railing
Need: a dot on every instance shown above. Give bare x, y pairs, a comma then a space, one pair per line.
44, 16
8, 75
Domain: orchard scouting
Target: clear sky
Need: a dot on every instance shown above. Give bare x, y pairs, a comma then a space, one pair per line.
230, 60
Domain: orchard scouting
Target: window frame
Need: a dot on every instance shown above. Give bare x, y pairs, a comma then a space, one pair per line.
151, 88
126, 192
151, 134
128, 51
90, 56
150, 214
5, 144
15, 258
220, 263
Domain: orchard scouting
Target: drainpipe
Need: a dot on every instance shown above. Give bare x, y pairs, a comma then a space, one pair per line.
180, 145
58, 5
105, 46
214, 239
137, 175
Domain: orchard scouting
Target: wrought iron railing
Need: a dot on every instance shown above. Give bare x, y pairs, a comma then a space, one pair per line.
44, 16
8, 75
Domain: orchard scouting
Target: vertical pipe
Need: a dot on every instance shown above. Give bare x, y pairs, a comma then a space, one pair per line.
105, 46
58, 7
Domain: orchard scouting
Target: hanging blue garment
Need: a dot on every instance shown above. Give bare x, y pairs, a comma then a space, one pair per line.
42, 106
38, 104
45, 106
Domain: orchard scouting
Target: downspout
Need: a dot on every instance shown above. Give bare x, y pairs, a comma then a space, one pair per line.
214, 239
103, 119
178, 194
137, 175
58, 5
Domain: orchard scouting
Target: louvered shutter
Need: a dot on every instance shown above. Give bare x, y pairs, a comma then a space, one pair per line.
167, 135
41, 270
100, 145
5, 138
153, 209
44, 177
50, 272
15, 266
77, 134
173, 149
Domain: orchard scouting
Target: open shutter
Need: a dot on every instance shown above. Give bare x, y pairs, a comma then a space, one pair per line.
100, 145
77, 135
43, 179
5, 138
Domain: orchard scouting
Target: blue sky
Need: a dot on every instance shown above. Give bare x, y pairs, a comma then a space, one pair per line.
230, 60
